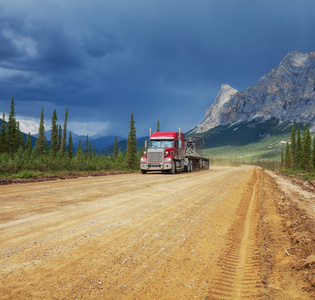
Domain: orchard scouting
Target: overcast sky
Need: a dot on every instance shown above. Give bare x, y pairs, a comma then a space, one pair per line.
161, 60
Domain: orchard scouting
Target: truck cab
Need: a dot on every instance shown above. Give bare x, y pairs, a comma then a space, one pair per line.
165, 152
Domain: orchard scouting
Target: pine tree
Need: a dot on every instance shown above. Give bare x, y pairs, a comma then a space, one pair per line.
21, 140
70, 148
115, 148
299, 147
64, 136
41, 145
282, 164
79, 151
304, 133
28, 146
54, 134
293, 147
59, 137
131, 145
287, 158
90, 150
3, 137
307, 150
158, 126
94, 151
12, 133
87, 145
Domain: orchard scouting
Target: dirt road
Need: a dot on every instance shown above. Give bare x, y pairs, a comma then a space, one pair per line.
226, 233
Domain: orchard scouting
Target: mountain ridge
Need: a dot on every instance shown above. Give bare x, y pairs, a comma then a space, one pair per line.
287, 93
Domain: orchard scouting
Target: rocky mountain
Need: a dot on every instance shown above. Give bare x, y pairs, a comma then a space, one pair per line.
286, 93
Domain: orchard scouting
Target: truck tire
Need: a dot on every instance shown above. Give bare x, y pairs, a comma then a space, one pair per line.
190, 166
173, 169
143, 171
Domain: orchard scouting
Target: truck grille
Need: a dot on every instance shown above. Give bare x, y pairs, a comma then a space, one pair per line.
155, 156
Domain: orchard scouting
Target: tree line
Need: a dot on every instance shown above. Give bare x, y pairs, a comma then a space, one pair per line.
300, 150
57, 154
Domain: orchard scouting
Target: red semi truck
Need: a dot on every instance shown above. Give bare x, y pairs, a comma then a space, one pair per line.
170, 152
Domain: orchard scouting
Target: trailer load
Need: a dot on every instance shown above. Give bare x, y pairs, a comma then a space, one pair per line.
170, 152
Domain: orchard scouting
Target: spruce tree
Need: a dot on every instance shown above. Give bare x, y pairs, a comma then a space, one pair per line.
79, 151
59, 137
115, 148
87, 145
94, 151
287, 158
90, 150
41, 145
3, 137
64, 136
20, 135
70, 148
293, 147
28, 146
304, 133
158, 126
299, 147
131, 157
12, 133
307, 150
53, 149
282, 159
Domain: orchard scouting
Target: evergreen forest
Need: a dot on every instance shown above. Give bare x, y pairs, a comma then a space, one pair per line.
299, 155
55, 154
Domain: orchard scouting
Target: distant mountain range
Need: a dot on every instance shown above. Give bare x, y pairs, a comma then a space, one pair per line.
103, 144
122, 146
99, 141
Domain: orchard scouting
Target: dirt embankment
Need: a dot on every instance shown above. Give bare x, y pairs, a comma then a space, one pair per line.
6, 181
226, 233
288, 228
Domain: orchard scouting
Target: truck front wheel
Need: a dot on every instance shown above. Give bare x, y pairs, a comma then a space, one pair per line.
173, 169
144, 171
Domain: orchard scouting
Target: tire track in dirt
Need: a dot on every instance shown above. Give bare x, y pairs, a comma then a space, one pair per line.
238, 272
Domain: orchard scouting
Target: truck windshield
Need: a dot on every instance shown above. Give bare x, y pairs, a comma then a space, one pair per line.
163, 143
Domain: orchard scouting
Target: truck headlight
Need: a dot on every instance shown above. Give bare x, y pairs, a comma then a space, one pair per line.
143, 159
168, 159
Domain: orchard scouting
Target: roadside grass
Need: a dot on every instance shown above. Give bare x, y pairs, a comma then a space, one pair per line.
266, 148
265, 154
63, 174
26, 174
300, 174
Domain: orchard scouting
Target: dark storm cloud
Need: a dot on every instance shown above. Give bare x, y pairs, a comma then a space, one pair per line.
161, 60
7, 49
